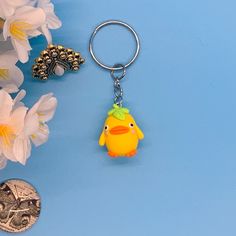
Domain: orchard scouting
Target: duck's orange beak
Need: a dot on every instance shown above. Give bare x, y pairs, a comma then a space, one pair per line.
119, 130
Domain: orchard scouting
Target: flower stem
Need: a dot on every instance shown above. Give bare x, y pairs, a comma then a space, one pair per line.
1, 23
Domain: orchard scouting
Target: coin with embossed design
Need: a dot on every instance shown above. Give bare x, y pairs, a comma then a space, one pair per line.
19, 205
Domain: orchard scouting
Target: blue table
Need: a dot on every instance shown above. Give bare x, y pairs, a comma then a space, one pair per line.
181, 91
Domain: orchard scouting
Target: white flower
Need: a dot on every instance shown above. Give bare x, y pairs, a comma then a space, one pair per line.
8, 7
18, 128
11, 125
52, 21
23, 24
11, 77
35, 128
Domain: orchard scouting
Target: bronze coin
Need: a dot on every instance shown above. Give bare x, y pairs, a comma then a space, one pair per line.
20, 205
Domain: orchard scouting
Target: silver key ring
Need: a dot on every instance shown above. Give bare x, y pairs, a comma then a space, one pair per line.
114, 22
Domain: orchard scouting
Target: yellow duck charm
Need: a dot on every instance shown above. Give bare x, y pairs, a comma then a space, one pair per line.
121, 134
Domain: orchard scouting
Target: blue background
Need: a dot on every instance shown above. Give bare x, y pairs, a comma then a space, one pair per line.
181, 91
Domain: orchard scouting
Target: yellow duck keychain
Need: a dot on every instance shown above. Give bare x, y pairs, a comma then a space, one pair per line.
120, 134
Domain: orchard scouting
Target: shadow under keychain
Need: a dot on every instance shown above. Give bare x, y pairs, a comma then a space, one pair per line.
120, 134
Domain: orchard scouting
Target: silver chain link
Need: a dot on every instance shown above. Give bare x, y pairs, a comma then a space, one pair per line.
118, 91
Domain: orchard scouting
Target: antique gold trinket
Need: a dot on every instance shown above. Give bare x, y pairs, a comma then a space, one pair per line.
56, 59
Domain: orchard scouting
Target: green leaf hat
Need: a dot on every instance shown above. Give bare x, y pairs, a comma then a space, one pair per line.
118, 112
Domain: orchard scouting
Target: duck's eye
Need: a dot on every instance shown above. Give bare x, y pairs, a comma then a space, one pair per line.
106, 127
131, 125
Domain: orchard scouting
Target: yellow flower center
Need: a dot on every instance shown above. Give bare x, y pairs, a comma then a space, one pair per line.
18, 29
33, 136
6, 135
4, 74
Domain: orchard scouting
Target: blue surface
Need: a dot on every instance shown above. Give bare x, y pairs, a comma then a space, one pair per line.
182, 93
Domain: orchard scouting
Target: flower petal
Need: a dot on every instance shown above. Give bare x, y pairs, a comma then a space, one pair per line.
46, 5
5, 9
8, 152
47, 109
8, 59
46, 32
14, 81
35, 107
34, 16
22, 149
17, 100
17, 119
34, 33
10, 88
17, 3
22, 48
6, 104
53, 21
16, 76
31, 124
41, 136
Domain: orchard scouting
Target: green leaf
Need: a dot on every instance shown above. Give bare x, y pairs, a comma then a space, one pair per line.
119, 115
118, 112
125, 110
111, 112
